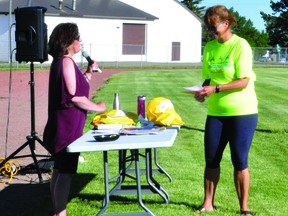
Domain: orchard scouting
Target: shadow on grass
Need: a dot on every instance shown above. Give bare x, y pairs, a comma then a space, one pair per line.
264, 130
191, 128
25, 199
125, 201
35, 199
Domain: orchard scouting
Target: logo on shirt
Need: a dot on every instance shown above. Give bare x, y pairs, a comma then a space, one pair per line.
220, 64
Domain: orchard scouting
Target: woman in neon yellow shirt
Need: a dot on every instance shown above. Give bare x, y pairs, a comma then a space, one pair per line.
232, 105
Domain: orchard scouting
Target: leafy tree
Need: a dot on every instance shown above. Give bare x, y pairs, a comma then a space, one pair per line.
193, 6
245, 29
199, 11
276, 26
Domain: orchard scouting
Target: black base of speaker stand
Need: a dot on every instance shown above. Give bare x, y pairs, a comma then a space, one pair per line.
31, 143
33, 136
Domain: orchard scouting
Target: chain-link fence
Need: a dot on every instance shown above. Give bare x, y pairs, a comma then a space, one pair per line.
111, 56
270, 55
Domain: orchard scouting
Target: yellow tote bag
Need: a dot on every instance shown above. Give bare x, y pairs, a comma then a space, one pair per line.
161, 111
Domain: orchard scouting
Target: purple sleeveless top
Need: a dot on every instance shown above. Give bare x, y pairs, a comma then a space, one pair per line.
65, 120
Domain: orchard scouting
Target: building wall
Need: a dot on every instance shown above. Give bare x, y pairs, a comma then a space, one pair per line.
175, 24
102, 38
4, 38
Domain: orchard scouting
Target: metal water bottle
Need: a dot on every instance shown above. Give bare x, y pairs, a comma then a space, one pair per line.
141, 106
116, 102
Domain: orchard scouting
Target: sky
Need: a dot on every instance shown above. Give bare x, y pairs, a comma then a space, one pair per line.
250, 9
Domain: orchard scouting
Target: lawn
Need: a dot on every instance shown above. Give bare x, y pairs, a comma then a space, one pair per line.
185, 160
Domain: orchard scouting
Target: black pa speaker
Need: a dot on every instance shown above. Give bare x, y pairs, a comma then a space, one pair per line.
31, 34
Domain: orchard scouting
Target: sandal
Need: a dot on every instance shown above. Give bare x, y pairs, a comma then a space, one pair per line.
247, 213
202, 209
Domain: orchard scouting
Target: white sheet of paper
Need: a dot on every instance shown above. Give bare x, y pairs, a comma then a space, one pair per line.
194, 88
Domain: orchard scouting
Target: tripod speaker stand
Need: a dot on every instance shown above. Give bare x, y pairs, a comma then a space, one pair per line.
33, 137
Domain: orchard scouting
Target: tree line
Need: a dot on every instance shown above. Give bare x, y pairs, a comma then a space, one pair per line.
276, 34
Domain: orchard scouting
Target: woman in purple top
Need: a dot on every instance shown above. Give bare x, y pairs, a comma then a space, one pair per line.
67, 108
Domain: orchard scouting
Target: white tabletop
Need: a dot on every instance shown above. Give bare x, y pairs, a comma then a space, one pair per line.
87, 143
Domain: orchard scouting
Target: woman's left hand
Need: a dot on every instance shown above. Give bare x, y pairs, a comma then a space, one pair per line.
207, 90
92, 67
199, 97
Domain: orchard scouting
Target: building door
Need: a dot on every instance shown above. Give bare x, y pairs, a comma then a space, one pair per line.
176, 48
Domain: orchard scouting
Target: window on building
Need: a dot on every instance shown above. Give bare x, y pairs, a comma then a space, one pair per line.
134, 39
176, 48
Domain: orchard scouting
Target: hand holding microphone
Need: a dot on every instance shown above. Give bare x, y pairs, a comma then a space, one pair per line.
90, 62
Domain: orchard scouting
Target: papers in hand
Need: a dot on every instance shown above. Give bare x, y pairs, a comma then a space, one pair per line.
141, 130
193, 88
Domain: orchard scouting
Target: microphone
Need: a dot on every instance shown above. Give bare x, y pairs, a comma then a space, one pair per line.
90, 61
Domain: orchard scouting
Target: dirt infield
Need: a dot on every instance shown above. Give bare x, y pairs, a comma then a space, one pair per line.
19, 113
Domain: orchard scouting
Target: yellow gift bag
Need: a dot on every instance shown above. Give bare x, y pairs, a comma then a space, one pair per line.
161, 111
115, 117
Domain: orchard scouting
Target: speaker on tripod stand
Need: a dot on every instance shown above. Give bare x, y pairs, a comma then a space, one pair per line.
31, 46
31, 34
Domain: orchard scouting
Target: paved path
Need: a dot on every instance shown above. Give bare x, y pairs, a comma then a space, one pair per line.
20, 108
24, 195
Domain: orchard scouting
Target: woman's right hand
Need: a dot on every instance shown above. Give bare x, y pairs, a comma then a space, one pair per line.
101, 106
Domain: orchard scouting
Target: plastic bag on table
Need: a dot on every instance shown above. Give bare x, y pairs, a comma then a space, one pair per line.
114, 117
161, 111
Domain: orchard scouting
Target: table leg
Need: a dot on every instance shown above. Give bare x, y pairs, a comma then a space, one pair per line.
106, 184
120, 179
154, 186
122, 172
151, 181
161, 169
138, 181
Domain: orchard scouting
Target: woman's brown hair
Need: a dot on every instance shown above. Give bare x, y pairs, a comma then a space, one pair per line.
218, 13
62, 36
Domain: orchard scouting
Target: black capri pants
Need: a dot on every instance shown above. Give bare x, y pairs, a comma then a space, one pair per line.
66, 162
238, 131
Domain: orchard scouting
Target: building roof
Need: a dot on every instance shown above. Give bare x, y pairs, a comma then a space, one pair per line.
101, 9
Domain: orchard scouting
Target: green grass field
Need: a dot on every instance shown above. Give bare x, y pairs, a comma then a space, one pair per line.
185, 160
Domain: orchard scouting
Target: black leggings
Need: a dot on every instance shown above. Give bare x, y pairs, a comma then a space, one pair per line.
237, 130
66, 162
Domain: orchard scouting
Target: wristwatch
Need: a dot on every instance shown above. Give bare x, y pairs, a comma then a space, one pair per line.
217, 89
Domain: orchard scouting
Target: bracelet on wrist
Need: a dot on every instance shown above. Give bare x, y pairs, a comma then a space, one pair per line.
217, 89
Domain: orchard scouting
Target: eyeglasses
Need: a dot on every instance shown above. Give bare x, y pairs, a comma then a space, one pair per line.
213, 28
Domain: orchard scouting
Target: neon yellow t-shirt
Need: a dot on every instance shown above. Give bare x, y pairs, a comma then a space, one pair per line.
224, 63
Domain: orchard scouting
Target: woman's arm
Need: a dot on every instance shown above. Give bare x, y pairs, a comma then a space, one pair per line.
237, 84
69, 75
207, 89
70, 81
84, 103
